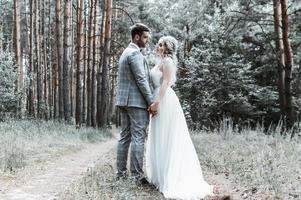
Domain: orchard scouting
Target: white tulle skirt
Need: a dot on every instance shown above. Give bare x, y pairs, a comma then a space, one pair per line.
171, 160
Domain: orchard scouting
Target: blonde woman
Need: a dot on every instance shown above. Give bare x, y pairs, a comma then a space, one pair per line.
172, 164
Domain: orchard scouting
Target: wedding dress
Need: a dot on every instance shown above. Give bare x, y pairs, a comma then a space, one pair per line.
172, 163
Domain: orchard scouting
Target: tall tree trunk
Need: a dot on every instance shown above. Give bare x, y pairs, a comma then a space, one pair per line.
44, 52
112, 87
30, 98
299, 80
105, 68
93, 82
50, 62
72, 69
59, 58
66, 59
84, 104
288, 64
17, 44
113, 73
38, 60
89, 84
79, 59
98, 93
280, 55
1, 36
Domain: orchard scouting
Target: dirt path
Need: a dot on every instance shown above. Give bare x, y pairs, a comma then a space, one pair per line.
47, 180
44, 182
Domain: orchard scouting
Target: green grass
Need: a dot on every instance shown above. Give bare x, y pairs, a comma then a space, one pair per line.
27, 142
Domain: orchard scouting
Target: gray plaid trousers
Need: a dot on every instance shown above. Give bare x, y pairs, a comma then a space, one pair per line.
134, 122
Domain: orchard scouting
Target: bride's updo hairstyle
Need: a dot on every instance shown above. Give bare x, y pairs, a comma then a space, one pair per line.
171, 45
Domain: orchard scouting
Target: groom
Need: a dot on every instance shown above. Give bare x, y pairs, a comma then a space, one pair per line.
134, 96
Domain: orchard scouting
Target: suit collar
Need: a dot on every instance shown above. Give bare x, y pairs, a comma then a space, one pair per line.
133, 45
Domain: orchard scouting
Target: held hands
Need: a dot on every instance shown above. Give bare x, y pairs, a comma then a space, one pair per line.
153, 108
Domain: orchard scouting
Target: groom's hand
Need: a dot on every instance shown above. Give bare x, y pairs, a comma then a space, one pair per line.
153, 108
150, 111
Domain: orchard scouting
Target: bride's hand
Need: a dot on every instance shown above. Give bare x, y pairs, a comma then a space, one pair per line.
153, 108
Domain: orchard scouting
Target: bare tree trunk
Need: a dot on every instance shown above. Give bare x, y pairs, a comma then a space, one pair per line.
299, 80
17, 44
50, 63
99, 71
89, 84
112, 87
105, 67
1, 36
93, 82
113, 73
280, 55
44, 60
79, 58
30, 98
288, 64
59, 59
38, 60
84, 96
72, 69
66, 59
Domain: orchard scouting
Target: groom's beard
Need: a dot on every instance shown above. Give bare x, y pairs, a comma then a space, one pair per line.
141, 44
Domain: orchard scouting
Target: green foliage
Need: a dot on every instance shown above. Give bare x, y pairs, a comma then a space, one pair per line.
8, 98
227, 61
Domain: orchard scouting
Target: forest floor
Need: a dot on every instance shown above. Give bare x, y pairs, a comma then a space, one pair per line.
46, 180
243, 166
63, 178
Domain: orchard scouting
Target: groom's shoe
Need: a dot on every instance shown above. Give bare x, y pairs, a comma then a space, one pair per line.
142, 182
121, 176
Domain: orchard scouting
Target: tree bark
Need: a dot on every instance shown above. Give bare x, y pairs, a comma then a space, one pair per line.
89, 83
45, 69
79, 59
288, 64
17, 44
299, 80
38, 60
84, 105
105, 68
59, 59
93, 82
1, 36
279, 55
99, 84
66, 59
30, 98
50, 74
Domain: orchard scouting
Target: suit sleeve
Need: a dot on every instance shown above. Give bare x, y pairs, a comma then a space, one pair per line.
137, 69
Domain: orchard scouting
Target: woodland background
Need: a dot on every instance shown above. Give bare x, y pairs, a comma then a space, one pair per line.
239, 59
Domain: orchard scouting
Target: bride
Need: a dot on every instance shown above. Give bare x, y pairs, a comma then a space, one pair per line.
172, 164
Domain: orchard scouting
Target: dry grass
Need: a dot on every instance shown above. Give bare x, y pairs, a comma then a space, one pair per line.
256, 165
100, 184
27, 142
259, 166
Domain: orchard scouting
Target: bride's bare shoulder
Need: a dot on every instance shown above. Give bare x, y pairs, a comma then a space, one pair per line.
166, 62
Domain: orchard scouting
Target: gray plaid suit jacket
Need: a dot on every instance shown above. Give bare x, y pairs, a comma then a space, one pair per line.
134, 87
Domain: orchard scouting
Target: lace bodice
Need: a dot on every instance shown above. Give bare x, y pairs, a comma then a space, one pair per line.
156, 76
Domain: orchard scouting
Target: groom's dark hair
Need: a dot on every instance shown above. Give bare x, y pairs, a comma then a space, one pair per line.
138, 29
